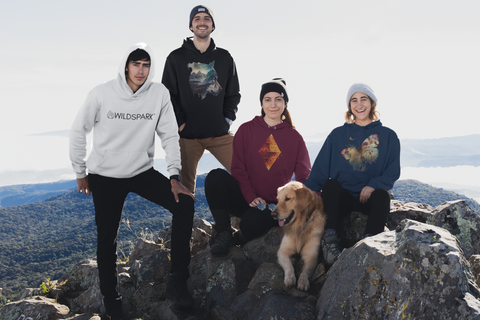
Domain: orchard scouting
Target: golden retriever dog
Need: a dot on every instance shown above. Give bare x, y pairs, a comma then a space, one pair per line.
299, 212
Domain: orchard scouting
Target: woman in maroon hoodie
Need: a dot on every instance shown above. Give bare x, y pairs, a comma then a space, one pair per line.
267, 152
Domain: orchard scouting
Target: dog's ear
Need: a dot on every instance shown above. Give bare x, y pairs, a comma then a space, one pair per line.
304, 197
280, 189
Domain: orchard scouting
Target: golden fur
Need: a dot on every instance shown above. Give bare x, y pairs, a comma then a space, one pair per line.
300, 213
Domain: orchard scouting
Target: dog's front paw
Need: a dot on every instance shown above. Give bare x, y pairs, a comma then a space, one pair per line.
290, 280
303, 283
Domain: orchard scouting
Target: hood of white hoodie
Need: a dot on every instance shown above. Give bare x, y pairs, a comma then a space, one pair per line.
121, 82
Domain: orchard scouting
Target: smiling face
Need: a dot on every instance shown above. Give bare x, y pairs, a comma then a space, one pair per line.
273, 105
202, 25
137, 73
361, 107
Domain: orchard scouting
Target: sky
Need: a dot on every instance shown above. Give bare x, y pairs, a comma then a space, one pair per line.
422, 59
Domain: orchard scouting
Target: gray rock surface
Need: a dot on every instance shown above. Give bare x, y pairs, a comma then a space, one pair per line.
418, 270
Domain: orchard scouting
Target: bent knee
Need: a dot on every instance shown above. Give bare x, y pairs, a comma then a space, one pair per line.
214, 178
381, 194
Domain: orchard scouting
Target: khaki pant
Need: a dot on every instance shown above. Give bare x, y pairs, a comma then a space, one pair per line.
192, 151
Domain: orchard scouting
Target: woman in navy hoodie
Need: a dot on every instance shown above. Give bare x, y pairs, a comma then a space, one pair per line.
357, 164
267, 151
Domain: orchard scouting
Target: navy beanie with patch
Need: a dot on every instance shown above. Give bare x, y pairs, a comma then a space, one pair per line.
199, 9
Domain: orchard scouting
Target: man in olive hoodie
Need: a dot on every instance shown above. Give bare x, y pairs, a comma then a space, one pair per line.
125, 113
203, 84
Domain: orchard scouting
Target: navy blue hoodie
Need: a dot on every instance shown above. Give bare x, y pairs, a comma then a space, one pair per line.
358, 156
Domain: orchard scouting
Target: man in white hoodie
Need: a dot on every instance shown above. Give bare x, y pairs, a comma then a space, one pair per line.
125, 113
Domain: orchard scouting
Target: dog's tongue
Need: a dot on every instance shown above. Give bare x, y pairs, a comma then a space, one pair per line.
281, 222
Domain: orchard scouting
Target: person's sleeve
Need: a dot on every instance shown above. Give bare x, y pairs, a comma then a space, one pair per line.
169, 79
302, 165
321, 167
167, 131
82, 125
239, 170
391, 171
232, 93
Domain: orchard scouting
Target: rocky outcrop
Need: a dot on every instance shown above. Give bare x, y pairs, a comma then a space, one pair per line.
417, 271
417, 268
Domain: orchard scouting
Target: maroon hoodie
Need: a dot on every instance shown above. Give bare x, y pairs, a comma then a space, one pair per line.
265, 158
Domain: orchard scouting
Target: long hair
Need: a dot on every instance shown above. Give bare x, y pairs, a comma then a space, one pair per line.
374, 114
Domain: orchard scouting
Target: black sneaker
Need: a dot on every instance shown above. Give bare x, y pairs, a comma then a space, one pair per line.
177, 291
220, 242
239, 239
331, 249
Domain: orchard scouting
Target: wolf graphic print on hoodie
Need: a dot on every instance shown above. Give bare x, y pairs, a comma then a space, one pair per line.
204, 89
204, 79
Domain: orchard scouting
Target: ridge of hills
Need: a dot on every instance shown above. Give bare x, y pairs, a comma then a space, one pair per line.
44, 239
439, 152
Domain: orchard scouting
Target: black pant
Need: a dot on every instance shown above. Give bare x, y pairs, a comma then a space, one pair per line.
109, 196
338, 203
224, 197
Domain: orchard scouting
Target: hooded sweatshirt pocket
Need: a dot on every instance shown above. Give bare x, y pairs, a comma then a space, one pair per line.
121, 164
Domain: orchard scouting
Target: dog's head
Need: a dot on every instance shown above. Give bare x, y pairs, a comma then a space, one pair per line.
293, 199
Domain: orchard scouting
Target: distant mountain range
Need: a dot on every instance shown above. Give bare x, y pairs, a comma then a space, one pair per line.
441, 152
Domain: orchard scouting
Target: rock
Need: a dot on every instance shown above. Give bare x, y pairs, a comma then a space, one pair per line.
142, 249
29, 292
265, 248
201, 232
38, 308
414, 211
353, 229
80, 288
86, 316
475, 268
224, 277
461, 221
267, 298
417, 271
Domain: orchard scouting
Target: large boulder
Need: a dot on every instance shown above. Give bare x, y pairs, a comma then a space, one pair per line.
417, 271
475, 267
400, 211
458, 218
38, 308
80, 288
267, 298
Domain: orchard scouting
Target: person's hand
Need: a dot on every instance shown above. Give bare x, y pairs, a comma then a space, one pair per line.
366, 193
83, 186
178, 188
181, 127
257, 201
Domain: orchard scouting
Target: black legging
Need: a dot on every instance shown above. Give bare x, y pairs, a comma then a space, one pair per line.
338, 203
224, 197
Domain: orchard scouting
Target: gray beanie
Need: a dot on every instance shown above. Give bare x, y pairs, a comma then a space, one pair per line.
360, 87
198, 9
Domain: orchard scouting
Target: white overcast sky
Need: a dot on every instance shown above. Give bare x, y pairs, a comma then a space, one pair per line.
422, 59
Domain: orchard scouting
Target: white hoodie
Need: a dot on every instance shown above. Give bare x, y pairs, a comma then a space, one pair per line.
124, 125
